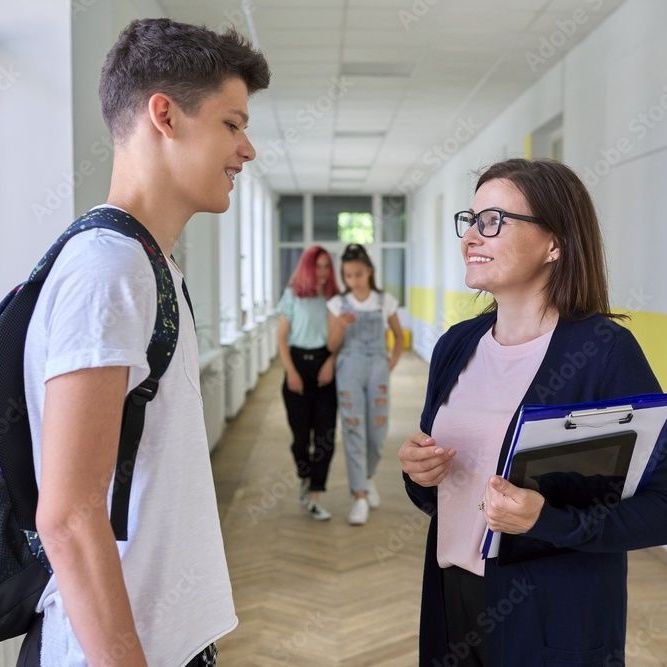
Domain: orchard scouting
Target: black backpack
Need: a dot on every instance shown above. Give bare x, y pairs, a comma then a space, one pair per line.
24, 568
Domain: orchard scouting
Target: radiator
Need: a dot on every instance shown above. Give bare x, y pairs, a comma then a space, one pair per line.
272, 332
251, 344
235, 377
264, 358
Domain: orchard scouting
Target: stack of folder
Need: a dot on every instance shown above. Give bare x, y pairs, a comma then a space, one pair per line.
582, 456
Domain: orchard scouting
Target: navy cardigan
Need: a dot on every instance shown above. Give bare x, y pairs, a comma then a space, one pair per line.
570, 608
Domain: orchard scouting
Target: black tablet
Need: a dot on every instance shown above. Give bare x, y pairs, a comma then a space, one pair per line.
578, 473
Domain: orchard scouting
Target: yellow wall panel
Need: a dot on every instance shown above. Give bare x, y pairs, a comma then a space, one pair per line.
528, 146
422, 304
649, 328
461, 306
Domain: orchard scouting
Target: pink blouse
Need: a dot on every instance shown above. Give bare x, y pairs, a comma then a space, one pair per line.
474, 422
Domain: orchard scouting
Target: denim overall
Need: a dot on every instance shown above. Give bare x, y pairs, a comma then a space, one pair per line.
362, 379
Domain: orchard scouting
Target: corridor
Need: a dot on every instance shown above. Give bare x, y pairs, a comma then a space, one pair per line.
312, 594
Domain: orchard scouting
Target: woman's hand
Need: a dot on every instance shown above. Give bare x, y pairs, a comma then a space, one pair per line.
510, 509
425, 463
294, 382
346, 318
326, 373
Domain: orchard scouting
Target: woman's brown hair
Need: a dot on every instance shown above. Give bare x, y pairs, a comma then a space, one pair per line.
577, 286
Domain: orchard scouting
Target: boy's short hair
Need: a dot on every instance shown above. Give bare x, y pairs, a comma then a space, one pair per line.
183, 61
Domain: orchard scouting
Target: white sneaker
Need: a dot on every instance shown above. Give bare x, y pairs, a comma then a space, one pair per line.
373, 495
304, 488
359, 513
318, 512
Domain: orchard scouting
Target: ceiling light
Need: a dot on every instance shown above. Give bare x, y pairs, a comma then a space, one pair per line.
402, 70
359, 134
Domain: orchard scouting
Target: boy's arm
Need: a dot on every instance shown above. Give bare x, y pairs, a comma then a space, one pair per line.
80, 433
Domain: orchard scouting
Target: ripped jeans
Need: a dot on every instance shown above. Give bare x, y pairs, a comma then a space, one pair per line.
363, 403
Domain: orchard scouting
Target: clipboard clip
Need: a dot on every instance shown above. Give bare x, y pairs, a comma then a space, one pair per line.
590, 417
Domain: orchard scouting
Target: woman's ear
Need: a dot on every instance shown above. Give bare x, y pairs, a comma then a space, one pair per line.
554, 250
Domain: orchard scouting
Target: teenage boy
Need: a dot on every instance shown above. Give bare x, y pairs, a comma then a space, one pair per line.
174, 97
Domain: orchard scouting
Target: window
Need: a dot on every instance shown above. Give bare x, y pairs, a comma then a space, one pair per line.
378, 222
230, 266
246, 234
289, 258
393, 246
290, 210
355, 228
338, 218
259, 264
393, 219
393, 272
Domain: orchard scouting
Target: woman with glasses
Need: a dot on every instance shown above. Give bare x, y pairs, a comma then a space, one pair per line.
309, 389
358, 320
531, 240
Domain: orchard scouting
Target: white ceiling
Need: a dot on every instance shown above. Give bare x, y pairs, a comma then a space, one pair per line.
362, 89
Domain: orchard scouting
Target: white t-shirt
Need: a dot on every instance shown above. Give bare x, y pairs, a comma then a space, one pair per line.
97, 308
372, 302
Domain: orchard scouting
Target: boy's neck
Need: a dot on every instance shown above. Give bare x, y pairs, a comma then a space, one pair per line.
151, 203
164, 229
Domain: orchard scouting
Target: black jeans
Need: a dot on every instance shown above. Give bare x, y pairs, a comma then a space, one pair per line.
31, 649
207, 658
312, 418
464, 602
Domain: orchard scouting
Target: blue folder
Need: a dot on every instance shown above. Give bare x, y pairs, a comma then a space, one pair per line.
571, 413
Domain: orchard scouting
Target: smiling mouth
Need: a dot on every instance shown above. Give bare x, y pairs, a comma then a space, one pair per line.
477, 259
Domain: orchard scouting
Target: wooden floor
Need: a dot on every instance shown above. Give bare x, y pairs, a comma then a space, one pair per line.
312, 594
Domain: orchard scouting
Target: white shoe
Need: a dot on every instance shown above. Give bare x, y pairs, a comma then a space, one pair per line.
318, 512
304, 488
359, 513
373, 495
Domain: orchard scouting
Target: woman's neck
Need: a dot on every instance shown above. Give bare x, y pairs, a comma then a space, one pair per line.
522, 320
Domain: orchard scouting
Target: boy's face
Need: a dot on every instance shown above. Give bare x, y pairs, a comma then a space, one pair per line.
210, 148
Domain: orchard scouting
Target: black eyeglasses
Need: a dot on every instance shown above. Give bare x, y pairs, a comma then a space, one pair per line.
489, 221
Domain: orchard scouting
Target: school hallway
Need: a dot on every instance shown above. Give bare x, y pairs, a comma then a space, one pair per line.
379, 118
326, 594
310, 592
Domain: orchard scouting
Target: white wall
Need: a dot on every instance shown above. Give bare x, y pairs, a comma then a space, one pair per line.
56, 157
622, 150
605, 88
56, 150
35, 132
230, 269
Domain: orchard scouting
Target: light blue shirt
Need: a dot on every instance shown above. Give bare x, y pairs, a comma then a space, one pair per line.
307, 318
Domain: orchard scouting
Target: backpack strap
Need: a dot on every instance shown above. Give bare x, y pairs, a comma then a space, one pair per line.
186, 294
159, 353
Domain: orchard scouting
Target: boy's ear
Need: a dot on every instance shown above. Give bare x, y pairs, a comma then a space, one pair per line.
161, 110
